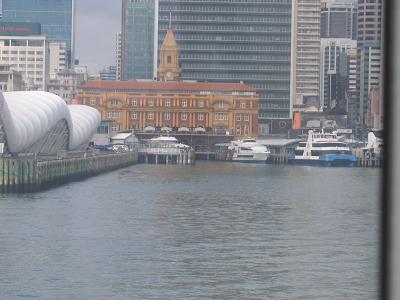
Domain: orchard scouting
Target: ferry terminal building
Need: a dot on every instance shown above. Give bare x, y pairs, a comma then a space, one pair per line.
220, 108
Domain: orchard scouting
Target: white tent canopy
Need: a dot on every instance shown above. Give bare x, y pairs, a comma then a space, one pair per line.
31, 118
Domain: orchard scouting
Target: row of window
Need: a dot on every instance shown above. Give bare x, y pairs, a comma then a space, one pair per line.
183, 116
167, 103
229, 27
280, 8
22, 52
225, 18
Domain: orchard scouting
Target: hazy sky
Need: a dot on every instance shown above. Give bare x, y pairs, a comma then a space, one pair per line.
97, 22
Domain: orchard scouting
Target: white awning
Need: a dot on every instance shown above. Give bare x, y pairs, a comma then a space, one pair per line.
200, 129
149, 129
168, 129
183, 129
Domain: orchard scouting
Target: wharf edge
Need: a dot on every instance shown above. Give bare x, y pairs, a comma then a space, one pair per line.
19, 175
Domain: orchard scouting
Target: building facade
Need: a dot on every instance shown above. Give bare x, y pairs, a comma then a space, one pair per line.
352, 98
137, 39
369, 59
58, 58
306, 55
339, 19
236, 41
28, 55
335, 71
370, 68
57, 19
10, 80
118, 56
108, 73
65, 83
218, 107
375, 110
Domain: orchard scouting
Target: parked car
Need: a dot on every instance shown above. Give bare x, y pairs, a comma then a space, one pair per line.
120, 148
106, 147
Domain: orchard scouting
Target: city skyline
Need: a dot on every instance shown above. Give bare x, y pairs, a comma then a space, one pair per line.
89, 14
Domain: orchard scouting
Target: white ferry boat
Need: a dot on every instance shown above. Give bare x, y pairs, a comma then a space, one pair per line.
168, 142
248, 150
323, 149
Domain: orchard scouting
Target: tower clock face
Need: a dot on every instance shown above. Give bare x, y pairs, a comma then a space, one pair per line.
168, 74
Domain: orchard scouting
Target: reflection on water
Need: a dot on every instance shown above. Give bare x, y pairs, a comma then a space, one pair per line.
210, 231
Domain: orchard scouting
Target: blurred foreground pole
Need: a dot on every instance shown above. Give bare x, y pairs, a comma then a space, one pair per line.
391, 179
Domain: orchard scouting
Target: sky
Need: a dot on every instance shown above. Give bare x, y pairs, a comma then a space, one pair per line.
97, 22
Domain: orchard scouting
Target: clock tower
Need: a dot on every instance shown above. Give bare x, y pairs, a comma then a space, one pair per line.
169, 70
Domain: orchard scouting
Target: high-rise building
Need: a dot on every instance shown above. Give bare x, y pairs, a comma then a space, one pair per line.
306, 55
335, 71
137, 39
28, 55
58, 58
236, 41
369, 65
56, 17
338, 19
118, 56
352, 98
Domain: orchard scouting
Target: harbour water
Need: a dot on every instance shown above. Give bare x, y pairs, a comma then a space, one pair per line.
215, 230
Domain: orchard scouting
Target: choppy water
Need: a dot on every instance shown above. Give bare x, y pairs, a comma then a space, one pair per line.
210, 231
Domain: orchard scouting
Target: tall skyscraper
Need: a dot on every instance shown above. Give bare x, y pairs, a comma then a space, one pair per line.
369, 65
306, 54
338, 19
233, 41
57, 18
335, 71
137, 39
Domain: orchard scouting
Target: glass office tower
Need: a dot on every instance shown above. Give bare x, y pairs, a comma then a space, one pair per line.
137, 39
55, 16
233, 41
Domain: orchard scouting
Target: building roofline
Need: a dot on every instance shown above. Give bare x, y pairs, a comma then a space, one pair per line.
167, 86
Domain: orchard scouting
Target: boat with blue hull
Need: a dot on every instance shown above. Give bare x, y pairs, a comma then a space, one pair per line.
323, 149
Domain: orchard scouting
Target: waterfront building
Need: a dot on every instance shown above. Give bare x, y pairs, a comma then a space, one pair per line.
217, 107
335, 71
57, 19
369, 65
339, 19
305, 79
29, 55
10, 80
108, 73
65, 83
236, 41
137, 39
118, 56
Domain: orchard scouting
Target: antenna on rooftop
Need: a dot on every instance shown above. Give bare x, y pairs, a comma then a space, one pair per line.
170, 20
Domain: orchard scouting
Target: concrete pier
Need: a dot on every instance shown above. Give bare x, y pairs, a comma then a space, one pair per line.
167, 155
29, 175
